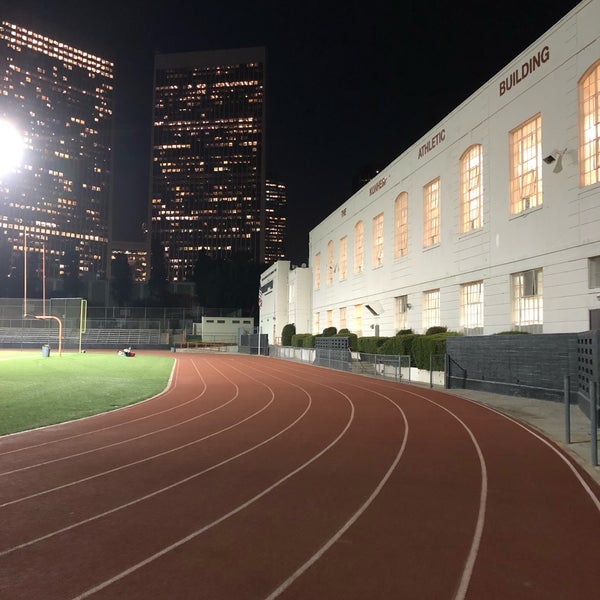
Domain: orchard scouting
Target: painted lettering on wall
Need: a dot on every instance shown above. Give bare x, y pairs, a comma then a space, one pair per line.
431, 143
377, 185
528, 67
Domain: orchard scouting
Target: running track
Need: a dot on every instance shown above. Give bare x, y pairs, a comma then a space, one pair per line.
253, 478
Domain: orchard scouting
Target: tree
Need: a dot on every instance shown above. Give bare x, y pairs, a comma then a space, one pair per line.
121, 280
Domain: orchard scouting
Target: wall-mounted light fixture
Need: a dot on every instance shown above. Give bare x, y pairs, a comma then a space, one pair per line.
555, 157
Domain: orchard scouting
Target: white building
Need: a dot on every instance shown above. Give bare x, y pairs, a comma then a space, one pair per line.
285, 297
491, 221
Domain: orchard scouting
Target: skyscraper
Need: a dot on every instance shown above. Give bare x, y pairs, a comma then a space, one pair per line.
208, 156
60, 98
275, 221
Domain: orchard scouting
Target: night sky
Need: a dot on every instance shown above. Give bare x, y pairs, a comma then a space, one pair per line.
350, 85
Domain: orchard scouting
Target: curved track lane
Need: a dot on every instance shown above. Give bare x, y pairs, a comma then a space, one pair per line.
261, 479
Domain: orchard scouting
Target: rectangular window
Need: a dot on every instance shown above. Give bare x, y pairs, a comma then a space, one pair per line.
431, 309
377, 244
401, 225
401, 312
357, 320
317, 271
329, 318
431, 213
471, 189
330, 262
594, 271
526, 166
527, 301
471, 307
343, 318
358, 247
589, 109
316, 323
343, 258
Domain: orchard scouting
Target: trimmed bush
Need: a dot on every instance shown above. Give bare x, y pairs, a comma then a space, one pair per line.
344, 331
329, 331
512, 333
371, 344
303, 340
399, 344
436, 329
405, 332
287, 332
425, 345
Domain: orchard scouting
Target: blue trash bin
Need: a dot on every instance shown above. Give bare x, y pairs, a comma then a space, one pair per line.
46, 351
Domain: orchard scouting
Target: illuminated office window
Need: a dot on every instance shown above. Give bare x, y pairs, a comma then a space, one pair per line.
527, 301
377, 243
471, 189
526, 166
329, 318
316, 323
343, 318
431, 213
358, 247
357, 319
431, 309
401, 225
343, 258
317, 271
589, 117
471, 307
330, 262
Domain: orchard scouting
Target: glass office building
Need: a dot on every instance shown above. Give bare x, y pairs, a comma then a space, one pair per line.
208, 183
275, 221
60, 99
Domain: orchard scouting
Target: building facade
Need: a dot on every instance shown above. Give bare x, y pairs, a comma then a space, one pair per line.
275, 221
491, 221
60, 99
208, 183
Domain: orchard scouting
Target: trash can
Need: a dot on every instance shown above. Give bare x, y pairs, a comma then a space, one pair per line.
45, 350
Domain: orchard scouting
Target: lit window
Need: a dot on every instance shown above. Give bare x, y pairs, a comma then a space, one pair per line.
377, 244
343, 317
357, 320
329, 263
401, 312
401, 225
343, 258
329, 318
527, 301
358, 247
471, 189
317, 271
471, 307
316, 323
589, 109
526, 166
431, 213
594, 272
431, 309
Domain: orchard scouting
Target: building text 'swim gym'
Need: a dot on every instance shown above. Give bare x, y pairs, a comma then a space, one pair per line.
489, 223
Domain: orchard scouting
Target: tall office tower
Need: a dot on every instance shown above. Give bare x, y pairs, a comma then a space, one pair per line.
208, 156
60, 99
275, 221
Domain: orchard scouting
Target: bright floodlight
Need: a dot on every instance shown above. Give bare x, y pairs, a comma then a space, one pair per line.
11, 147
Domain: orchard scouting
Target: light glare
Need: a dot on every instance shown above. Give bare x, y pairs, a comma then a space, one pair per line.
11, 147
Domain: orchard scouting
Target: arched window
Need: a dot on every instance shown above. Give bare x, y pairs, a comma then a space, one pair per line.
471, 189
358, 247
401, 225
589, 118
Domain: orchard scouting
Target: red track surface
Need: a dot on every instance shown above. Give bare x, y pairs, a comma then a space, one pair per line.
257, 478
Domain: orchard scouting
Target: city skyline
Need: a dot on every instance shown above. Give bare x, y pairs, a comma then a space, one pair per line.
346, 89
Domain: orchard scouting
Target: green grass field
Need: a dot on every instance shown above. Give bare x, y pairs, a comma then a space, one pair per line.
37, 391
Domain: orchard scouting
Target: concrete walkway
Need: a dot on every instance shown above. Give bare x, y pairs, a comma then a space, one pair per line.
547, 417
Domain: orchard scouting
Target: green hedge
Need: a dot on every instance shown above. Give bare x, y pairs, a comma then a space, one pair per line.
399, 344
425, 345
287, 332
303, 340
371, 345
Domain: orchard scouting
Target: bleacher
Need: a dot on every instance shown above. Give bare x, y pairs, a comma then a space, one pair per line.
121, 338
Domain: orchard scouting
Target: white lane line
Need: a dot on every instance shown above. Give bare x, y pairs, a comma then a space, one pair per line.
595, 500
480, 522
350, 522
224, 517
127, 440
142, 460
169, 487
170, 384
